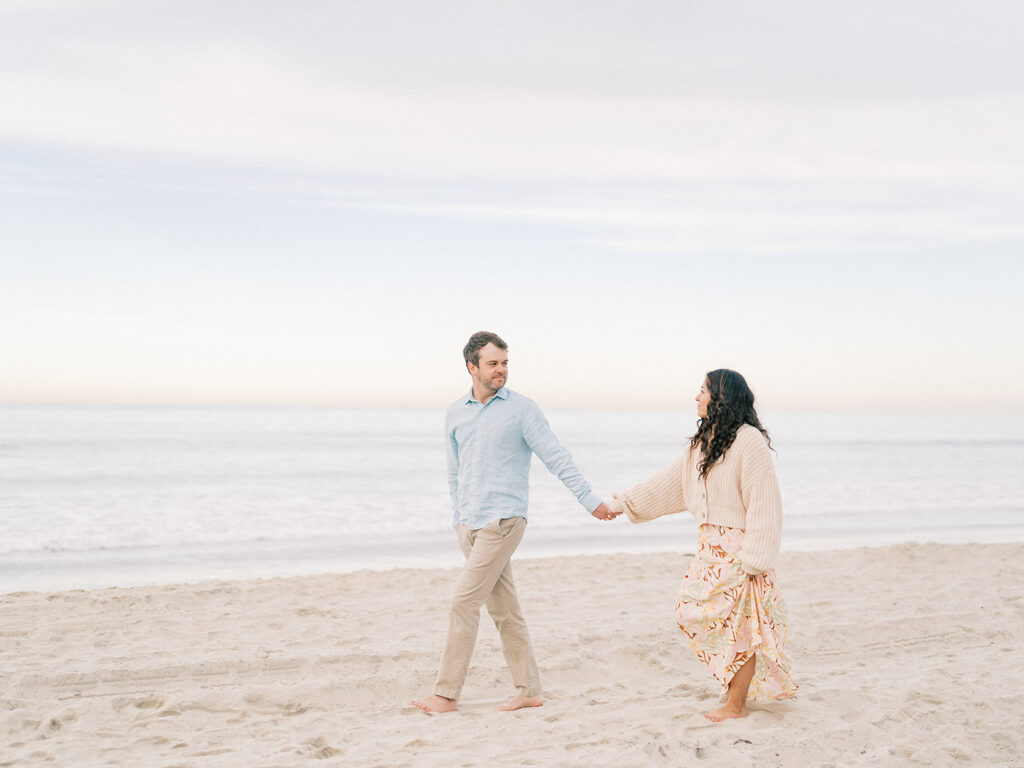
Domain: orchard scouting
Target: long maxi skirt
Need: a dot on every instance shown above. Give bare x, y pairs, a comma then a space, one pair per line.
727, 616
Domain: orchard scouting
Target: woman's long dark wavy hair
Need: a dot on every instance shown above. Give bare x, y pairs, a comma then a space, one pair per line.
731, 406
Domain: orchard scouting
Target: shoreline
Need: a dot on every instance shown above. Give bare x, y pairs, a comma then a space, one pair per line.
905, 654
257, 560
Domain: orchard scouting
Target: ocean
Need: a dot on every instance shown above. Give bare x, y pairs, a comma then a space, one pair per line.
104, 496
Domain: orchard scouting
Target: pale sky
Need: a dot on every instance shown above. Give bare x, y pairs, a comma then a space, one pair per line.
317, 203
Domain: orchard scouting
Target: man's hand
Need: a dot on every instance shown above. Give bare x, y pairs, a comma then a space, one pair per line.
603, 512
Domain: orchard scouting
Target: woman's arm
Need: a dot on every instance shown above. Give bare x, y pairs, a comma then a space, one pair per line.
661, 494
763, 504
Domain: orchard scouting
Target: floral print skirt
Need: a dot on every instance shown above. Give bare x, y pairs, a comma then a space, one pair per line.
727, 616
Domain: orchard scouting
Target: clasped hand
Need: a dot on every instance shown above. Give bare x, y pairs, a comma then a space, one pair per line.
604, 512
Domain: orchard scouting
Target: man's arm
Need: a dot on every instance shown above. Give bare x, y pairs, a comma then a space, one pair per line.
452, 461
542, 441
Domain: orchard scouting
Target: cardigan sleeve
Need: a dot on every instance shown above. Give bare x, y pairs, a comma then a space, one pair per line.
661, 494
762, 501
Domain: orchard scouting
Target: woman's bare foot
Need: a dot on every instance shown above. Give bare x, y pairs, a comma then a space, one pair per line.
726, 712
521, 702
435, 703
736, 703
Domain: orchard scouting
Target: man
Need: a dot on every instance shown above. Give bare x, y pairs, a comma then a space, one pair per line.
492, 433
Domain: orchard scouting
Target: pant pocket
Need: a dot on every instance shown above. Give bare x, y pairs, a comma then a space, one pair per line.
509, 524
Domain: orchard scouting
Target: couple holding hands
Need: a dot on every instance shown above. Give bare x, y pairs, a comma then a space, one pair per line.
728, 606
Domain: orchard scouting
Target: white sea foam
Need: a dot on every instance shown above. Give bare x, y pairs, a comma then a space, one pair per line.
134, 492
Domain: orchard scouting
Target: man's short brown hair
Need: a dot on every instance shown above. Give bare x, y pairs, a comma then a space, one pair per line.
479, 340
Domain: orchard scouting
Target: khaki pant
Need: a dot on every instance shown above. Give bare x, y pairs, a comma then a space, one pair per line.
486, 578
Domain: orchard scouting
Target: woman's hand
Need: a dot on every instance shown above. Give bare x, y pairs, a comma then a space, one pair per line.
604, 512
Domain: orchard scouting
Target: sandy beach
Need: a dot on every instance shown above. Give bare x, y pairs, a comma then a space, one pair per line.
906, 655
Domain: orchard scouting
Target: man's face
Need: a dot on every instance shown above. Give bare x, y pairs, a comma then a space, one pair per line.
492, 372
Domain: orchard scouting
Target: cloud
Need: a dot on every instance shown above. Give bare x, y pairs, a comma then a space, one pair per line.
184, 145
529, 92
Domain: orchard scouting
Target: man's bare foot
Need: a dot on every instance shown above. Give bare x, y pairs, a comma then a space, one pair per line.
726, 713
521, 702
435, 703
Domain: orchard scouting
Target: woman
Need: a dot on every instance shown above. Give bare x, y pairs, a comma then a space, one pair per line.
729, 606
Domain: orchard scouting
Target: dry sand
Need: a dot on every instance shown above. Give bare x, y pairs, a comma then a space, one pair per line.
907, 655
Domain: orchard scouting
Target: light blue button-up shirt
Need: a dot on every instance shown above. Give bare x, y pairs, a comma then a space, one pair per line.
489, 449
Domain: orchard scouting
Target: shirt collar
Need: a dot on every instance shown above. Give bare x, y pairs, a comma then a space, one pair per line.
502, 393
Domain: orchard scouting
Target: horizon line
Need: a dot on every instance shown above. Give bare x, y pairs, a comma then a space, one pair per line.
859, 409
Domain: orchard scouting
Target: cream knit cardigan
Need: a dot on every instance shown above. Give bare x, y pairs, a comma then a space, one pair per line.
741, 491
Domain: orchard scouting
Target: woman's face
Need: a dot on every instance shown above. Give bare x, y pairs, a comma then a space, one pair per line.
703, 398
